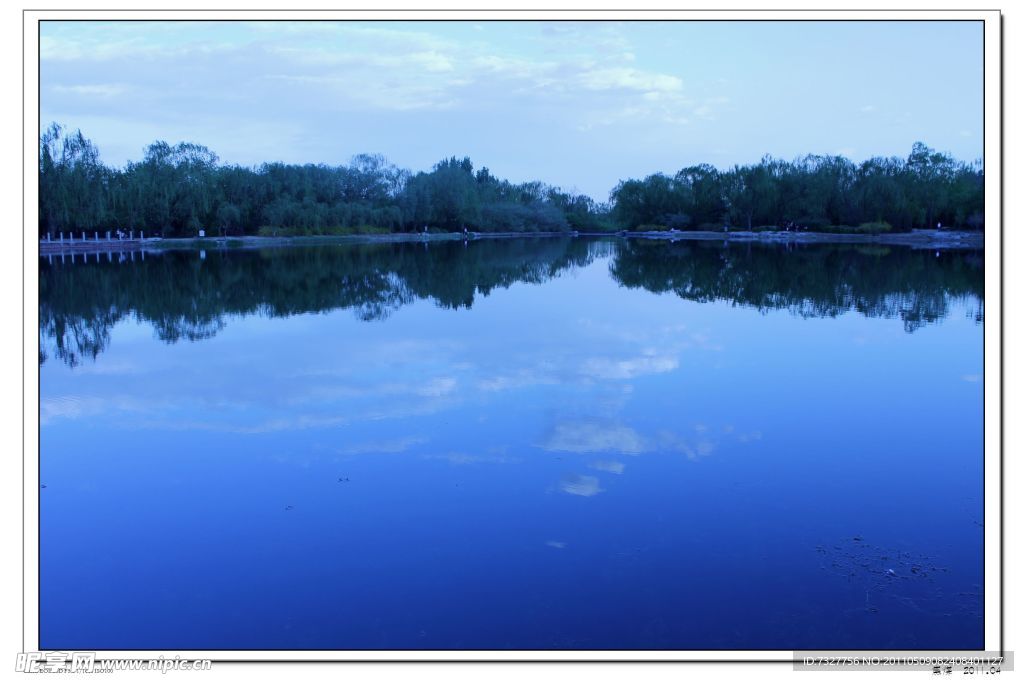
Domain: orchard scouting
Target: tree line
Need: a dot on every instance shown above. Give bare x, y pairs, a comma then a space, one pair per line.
926, 190
177, 190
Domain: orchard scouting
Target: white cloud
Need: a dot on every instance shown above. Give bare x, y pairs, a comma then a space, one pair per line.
438, 387
402, 69
749, 437
78, 406
652, 363
461, 459
375, 93
384, 446
585, 437
110, 41
581, 485
523, 378
624, 78
95, 90
616, 467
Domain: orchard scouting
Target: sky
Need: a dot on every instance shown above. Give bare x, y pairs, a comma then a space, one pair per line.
580, 105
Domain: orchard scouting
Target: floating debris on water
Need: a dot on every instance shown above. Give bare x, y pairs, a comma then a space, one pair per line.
897, 578
288, 508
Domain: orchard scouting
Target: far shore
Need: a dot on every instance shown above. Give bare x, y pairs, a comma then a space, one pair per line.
921, 238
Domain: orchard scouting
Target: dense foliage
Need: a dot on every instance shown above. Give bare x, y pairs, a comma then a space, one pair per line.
175, 191
178, 190
816, 193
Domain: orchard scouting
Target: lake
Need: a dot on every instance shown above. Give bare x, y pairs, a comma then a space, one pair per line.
512, 444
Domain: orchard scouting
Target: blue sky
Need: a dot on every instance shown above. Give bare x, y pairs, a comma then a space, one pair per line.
579, 105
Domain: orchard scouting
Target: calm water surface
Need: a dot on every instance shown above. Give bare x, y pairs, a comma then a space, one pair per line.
513, 444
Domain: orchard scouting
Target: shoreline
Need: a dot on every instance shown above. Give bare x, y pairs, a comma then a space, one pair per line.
931, 239
918, 238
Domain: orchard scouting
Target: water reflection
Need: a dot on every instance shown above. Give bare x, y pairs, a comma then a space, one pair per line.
587, 438
581, 485
616, 467
611, 444
184, 297
812, 281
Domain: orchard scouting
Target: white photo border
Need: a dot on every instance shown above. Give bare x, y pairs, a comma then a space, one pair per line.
993, 323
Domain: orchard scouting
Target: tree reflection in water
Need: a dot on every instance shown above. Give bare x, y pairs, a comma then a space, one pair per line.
187, 297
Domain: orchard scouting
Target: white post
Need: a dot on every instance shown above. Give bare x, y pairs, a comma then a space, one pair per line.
142, 235
131, 235
71, 237
95, 236
83, 236
47, 237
